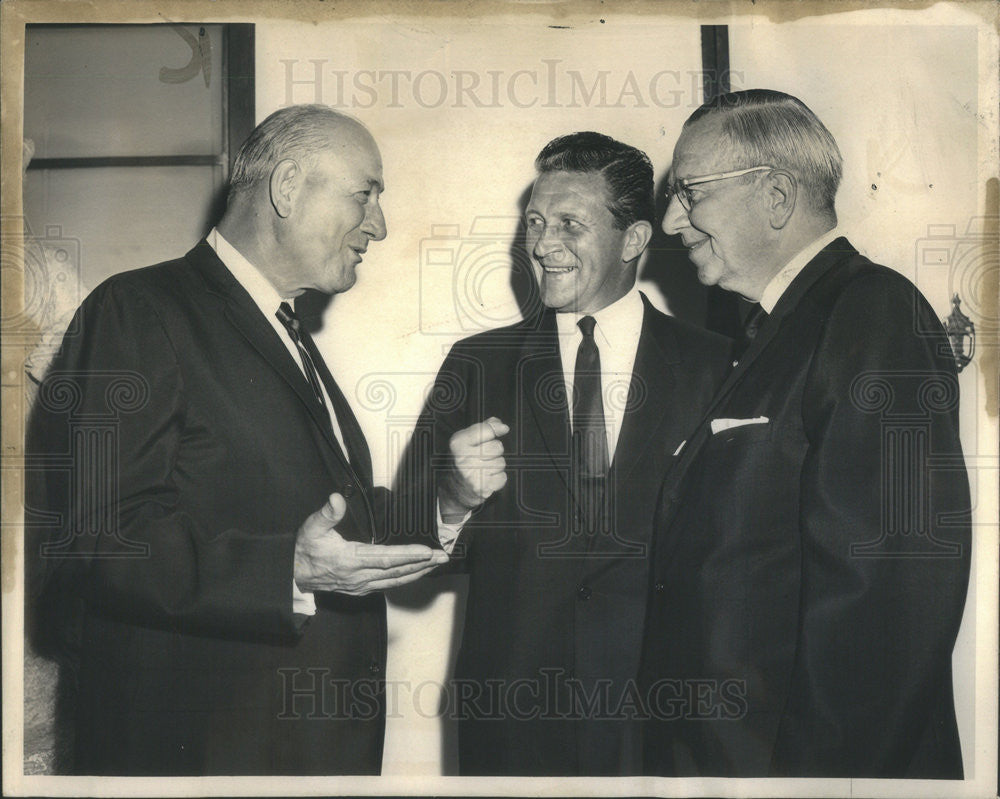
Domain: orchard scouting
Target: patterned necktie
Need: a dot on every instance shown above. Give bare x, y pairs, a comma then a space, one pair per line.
358, 455
292, 324
589, 433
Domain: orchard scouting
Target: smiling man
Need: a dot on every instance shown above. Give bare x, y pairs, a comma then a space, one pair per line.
591, 396
217, 546
811, 555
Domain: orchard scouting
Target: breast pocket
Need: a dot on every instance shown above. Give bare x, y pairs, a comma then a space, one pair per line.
739, 436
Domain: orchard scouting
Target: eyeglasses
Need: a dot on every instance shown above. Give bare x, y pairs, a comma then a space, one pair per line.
681, 189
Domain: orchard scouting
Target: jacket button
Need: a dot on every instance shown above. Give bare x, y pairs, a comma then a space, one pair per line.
584, 592
347, 491
659, 588
375, 667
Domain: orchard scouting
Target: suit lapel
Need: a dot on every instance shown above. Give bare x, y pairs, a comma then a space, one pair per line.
354, 438
245, 316
650, 396
543, 389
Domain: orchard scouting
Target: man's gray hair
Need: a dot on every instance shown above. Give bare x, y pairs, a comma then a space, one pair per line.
775, 129
298, 132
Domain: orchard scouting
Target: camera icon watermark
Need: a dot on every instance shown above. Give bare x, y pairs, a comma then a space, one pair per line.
466, 279
49, 267
966, 264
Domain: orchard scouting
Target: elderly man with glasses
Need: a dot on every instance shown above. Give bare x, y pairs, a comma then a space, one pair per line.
811, 554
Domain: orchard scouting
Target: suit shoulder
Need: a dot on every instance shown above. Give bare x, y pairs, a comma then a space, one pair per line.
873, 292
154, 283
693, 340
500, 338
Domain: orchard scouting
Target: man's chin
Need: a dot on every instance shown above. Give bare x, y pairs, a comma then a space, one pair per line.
345, 282
709, 270
561, 298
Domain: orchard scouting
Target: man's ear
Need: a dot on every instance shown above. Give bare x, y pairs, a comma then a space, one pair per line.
637, 236
283, 185
782, 193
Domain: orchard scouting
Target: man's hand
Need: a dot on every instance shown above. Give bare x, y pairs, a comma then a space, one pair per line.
324, 561
478, 469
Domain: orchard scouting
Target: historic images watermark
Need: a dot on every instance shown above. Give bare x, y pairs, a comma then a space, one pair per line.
553, 695
547, 83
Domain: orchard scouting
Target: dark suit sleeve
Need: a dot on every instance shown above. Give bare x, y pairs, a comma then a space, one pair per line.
428, 456
884, 534
111, 514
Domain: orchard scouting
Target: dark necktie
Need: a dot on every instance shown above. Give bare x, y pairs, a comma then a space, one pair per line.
591, 449
292, 324
754, 320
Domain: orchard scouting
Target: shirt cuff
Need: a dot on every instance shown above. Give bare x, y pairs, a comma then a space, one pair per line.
448, 533
301, 602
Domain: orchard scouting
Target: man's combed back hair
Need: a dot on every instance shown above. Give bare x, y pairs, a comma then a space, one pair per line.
773, 128
626, 170
298, 132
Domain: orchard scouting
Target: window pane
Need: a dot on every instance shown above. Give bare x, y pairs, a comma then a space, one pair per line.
123, 90
123, 218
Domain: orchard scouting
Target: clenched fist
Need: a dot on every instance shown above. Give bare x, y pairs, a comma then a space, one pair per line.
477, 469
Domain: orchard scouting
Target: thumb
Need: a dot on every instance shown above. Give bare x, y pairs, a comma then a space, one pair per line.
334, 509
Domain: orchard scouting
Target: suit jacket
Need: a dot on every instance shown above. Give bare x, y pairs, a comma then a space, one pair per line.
179, 448
554, 616
810, 572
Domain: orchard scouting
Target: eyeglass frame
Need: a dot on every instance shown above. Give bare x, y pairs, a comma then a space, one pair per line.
679, 189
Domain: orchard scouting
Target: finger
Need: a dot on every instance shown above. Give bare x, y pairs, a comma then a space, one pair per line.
491, 449
498, 427
477, 434
495, 482
379, 556
367, 576
334, 509
395, 582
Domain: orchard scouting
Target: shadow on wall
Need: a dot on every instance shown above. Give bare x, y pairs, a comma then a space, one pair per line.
668, 268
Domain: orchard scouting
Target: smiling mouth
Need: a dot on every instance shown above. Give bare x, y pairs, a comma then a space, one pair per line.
694, 245
557, 270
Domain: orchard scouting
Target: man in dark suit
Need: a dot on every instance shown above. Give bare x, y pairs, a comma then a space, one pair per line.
811, 555
205, 502
591, 396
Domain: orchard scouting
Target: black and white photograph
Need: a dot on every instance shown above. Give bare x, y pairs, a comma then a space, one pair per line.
504, 398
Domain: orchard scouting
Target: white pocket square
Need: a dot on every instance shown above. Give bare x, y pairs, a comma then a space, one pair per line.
718, 425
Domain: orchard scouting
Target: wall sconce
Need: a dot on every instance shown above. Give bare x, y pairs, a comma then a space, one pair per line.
961, 334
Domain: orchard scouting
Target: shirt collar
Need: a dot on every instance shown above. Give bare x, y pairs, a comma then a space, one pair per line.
781, 281
615, 322
260, 289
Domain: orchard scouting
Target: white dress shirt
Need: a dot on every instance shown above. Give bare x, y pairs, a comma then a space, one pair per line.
616, 333
781, 281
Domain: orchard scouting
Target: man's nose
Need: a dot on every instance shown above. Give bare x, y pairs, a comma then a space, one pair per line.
676, 217
546, 243
374, 224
